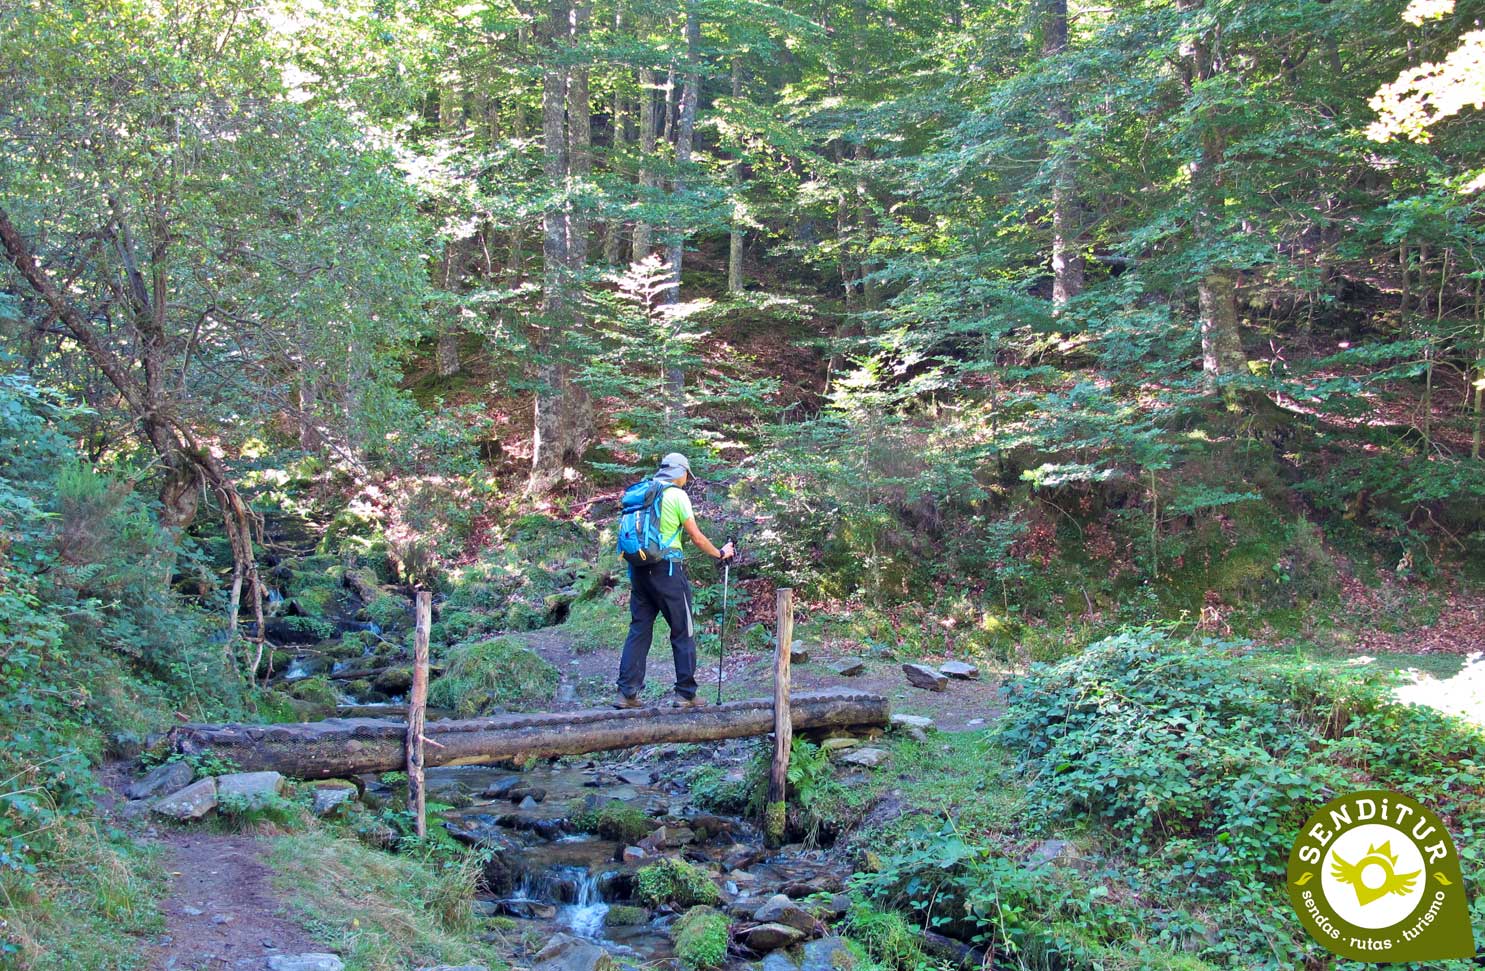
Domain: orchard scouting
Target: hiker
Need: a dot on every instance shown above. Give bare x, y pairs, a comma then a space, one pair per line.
656, 511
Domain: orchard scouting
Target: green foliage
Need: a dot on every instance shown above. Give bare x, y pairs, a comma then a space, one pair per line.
488, 675
713, 792
318, 690
672, 881
614, 820
389, 611
887, 938
701, 939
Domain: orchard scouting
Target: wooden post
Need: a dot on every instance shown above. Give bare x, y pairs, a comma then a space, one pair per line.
783, 724
417, 705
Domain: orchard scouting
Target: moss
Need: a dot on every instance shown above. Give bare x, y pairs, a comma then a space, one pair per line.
614, 820
492, 674
701, 938
713, 792
314, 627
620, 915
458, 626
523, 617
387, 611
315, 601
670, 881
316, 690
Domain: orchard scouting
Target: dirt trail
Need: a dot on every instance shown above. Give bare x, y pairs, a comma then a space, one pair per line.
221, 912
748, 674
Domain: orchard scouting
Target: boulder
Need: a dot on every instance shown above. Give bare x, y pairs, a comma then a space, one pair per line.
912, 721
634, 854
770, 937
962, 670
826, 954
566, 953
867, 758
1055, 852
250, 790
798, 653
519, 794
922, 676
500, 789
455, 967
162, 780
849, 667
305, 962
779, 909
840, 743
331, 799
636, 777
192, 802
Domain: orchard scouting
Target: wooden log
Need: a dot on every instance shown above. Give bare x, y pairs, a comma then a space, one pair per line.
417, 706
776, 811
350, 746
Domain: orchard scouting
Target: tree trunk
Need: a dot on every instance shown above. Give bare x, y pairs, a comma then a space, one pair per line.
1067, 255
613, 228
642, 238
675, 378
1221, 347
349, 746
736, 236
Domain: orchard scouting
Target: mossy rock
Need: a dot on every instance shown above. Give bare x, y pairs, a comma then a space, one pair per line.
487, 675
671, 881
315, 601
614, 820
317, 690
701, 939
388, 611
394, 681
314, 628
622, 915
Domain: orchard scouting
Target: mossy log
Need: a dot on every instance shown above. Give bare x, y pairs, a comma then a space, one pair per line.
348, 746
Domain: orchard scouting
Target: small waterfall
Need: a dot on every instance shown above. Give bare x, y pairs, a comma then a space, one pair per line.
298, 669
575, 890
585, 914
274, 597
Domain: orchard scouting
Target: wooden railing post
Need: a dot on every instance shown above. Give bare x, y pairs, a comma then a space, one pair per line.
417, 705
783, 724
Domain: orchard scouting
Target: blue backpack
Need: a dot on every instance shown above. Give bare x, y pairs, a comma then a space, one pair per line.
639, 524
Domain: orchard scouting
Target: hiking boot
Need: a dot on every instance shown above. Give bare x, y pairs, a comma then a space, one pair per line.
628, 701
695, 701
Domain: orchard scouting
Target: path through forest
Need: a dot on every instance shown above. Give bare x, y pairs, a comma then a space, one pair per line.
222, 912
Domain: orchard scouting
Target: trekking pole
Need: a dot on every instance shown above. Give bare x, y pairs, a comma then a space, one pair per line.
722, 634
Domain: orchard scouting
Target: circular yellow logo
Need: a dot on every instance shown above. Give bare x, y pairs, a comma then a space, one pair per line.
1374, 876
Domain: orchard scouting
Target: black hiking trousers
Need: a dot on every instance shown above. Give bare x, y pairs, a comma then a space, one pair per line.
660, 589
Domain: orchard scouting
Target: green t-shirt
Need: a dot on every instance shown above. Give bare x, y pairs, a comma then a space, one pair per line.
675, 509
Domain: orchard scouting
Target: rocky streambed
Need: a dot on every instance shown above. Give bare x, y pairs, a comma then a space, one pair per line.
613, 853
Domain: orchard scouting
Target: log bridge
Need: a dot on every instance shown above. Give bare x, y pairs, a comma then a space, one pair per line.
350, 746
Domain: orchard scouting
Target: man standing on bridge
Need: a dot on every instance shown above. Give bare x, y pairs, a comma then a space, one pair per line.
657, 578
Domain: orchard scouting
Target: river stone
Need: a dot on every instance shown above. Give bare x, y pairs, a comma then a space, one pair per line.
922, 676
826, 954
162, 780
192, 802
840, 743
1054, 852
498, 790
962, 670
636, 777
912, 721
799, 653
565, 953
250, 789
770, 937
634, 854
849, 667
779, 909
519, 794
778, 961
305, 962
868, 758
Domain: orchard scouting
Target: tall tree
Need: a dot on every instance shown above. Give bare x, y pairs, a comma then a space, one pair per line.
1067, 254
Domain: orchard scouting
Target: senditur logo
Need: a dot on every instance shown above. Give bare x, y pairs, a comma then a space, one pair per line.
1374, 876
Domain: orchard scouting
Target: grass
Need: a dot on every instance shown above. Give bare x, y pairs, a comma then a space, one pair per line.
378, 911
487, 675
90, 906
